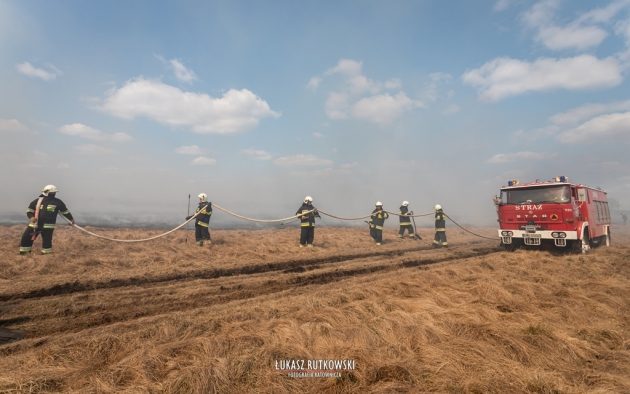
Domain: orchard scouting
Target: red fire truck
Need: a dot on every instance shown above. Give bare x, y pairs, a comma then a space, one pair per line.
556, 212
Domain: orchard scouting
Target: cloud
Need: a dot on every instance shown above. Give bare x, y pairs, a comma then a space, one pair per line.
302, 160
257, 154
355, 95
313, 83
318, 135
82, 131
502, 5
383, 108
504, 77
572, 37
582, 33
189, 150
337, 105
602, 126
203, 161
91, 149
501, 158
236, 111
12, 125
29, 70
581, 113
182, 73
589, 122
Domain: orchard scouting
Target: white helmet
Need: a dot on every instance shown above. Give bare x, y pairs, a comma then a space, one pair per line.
49, 189
308, 199
203, 197
379, 204
405, 203
438, 207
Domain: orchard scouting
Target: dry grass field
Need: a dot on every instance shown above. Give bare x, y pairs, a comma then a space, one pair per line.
168, 316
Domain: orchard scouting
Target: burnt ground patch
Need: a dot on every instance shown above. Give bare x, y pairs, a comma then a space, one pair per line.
77, 286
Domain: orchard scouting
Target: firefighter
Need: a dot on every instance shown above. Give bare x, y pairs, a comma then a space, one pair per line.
42, 213
202, 222
377, 221
307, 222
405, 220
440, 228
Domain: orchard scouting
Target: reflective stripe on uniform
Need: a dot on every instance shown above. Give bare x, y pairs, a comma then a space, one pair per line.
404, 224
31, 225
436, 242
47, 251
306, 225
30, 210
51, 208
49, 225
25, 248
440, 229
378, 227
65, 212
202, 224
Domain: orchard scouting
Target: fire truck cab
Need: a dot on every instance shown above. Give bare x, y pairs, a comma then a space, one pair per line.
556, 212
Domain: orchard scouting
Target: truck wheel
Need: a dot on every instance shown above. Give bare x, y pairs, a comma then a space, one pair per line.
607, 237
584, 244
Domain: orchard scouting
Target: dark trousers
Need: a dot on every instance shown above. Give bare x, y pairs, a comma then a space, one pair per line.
440, 238
376, 233
404, 227
307, 235
201, 233
26, 243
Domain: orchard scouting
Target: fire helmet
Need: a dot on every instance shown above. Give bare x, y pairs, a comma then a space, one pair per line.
308, 199
379, 204
203, 197
405, 203
438, 207
49, 189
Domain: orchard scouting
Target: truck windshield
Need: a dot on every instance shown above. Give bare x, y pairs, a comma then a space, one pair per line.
537, 195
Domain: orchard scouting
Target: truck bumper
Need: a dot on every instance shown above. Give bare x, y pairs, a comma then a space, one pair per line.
559, 237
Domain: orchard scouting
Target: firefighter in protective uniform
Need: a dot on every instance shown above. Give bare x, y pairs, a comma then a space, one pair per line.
377, 221
440, 228
42, 213
307, 222
405, 220
202, 222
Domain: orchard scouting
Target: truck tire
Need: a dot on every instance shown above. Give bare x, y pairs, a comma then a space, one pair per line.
582, 245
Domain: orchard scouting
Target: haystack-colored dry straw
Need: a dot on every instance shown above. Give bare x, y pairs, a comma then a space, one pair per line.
167, 316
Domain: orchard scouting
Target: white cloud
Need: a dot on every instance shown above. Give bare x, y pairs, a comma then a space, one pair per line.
451, 109
302, 160
203, 161
504, 77
29, 70
581, 113
189, 150
337, 105
91, 149
82, 131
501, 158
383, 108
602, 126
257, 154
236, 111
357, 95
347, 67
582, 33
12, 125
502, 5
572, 37
313, 83
182, 73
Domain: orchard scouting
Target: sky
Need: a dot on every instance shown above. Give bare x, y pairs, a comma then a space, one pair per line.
129, 107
